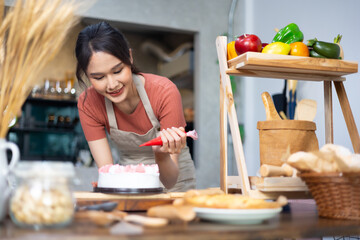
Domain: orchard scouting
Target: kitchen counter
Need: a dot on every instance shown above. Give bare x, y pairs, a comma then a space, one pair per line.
301, 221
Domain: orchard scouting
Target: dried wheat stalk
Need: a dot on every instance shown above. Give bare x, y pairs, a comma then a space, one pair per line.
31, 34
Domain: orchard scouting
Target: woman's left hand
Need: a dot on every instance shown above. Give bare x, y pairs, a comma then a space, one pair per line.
174, 139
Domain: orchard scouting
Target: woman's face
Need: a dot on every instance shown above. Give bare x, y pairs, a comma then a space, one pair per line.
109, 76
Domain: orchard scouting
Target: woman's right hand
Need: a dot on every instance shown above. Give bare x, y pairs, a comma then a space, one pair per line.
174, 140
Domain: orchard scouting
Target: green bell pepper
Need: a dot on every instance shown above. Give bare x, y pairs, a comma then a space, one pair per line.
289, 34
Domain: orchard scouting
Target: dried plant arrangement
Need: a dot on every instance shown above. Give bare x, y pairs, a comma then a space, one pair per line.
32, 32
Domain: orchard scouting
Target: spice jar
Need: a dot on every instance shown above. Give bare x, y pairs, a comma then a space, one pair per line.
43, 195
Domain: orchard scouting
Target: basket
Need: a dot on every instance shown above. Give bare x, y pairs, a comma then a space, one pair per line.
337, 195
278, 137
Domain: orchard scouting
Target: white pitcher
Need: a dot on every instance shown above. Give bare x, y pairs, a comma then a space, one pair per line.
4, 172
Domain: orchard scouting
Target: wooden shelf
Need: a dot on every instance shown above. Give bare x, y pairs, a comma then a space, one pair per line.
60, 130
256, 64
52, 102
260, 65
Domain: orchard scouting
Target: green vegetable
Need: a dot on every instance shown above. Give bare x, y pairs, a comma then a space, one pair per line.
337, 40
289, 34
326, 49
315, 54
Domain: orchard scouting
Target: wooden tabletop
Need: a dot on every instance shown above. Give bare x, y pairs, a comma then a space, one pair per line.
301, 221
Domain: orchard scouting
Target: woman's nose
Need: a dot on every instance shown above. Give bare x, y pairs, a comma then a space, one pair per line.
112, 83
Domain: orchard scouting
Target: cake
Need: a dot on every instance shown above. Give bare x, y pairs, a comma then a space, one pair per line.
138, 176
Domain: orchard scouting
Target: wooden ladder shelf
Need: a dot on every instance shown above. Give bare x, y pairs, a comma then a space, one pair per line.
253, 64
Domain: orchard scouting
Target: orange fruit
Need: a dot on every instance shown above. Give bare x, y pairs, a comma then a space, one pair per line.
299, 49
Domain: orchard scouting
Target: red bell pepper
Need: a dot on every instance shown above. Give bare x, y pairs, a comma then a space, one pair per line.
157, 141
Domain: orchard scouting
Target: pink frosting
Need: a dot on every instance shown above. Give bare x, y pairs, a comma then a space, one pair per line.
193, 134
105, 168
139, 168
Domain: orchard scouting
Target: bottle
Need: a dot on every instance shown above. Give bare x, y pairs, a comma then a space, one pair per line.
60, 121
67, 122
59, 90
46, 90
70, 77
51, 120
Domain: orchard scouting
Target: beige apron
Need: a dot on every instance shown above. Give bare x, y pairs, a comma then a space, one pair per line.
128, 143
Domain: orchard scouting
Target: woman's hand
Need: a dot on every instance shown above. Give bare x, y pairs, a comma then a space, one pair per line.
174, 139
166, 156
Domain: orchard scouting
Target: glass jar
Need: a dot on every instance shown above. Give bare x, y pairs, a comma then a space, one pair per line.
42, 196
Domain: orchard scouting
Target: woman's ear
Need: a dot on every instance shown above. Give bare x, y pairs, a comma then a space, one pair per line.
131, 58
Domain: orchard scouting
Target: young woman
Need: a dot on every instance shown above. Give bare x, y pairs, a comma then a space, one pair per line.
133, 107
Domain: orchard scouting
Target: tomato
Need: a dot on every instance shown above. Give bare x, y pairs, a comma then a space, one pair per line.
299, 49
248, 43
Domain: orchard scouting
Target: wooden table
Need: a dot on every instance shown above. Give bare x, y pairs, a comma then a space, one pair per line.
300, 222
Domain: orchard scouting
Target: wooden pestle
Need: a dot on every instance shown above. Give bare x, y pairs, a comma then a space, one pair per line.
276, 171
271, 113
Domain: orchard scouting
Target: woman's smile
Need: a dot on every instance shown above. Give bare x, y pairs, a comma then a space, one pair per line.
117, 92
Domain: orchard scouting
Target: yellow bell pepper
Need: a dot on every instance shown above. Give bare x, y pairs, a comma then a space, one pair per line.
277, 48
231, 52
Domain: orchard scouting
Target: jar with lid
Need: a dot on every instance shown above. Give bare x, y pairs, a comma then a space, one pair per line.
43, 195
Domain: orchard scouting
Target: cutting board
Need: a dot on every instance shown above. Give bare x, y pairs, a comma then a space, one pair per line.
127, 202
279, 184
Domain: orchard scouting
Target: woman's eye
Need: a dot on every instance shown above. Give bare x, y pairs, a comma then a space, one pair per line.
98, 78
117, 71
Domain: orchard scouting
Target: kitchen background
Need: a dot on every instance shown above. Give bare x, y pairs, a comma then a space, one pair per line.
159, 28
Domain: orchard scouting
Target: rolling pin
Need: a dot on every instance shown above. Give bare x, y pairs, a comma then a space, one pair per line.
276, 171
271, 113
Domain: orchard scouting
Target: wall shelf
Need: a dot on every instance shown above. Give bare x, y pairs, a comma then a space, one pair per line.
40, 139
60, 130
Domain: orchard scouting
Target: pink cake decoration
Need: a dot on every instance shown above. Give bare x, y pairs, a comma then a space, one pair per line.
139, 168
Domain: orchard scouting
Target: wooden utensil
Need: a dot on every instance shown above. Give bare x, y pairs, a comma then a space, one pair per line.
292, 98
101, 218
271, 113
104, 219
171, 212
306, 110
146, 221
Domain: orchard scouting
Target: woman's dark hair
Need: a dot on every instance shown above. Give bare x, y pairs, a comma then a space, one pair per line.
100, 37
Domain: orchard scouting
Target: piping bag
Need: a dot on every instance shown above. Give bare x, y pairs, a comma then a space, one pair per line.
157, 141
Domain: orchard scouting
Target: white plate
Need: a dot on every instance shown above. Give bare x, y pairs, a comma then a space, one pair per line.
237, 216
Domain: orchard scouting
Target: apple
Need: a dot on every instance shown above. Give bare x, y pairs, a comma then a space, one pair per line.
247, 43
263, 45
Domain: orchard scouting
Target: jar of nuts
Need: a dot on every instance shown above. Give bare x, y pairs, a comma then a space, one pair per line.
43, 194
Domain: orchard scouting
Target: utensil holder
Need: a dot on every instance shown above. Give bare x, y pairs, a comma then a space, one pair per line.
277, 137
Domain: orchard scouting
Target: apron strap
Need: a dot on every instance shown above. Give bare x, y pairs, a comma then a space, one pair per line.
145, 100
110, 113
